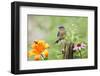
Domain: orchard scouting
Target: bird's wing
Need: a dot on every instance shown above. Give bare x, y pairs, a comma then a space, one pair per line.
58, 34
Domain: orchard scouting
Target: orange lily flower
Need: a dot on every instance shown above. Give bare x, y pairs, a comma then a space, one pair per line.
38, 48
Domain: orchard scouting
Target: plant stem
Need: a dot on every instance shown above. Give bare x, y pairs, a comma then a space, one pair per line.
42, 56
80, 54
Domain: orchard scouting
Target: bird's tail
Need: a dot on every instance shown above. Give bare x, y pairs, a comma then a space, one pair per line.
57, 40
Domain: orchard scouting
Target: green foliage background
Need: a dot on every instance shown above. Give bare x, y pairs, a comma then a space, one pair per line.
76, 28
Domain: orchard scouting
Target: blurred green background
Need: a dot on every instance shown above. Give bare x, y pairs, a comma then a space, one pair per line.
46, 28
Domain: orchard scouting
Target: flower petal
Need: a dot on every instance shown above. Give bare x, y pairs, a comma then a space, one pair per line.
45, 53
46, 45
37, 57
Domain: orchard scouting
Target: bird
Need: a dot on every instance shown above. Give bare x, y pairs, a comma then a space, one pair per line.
66, 45
60, 34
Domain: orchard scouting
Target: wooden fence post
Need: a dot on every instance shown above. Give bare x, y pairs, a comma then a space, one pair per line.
66, 48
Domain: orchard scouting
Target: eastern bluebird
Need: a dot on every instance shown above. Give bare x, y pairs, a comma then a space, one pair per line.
61, 34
